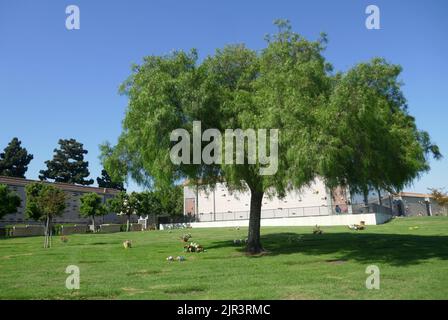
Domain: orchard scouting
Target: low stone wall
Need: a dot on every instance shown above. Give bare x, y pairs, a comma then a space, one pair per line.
27, 231
109, 228
135, 227
67, 230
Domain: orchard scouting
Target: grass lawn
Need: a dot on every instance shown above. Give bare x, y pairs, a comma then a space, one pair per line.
413, 264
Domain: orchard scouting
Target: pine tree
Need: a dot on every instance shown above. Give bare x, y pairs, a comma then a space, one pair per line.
68, 165
14, 160
105, 181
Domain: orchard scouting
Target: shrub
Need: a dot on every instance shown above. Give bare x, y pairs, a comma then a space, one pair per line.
317, 230
186, 237
127, 244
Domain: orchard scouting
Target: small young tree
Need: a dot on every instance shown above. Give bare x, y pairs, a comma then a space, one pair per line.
44, 202
14, 160
92, 206
9, 201
125, 204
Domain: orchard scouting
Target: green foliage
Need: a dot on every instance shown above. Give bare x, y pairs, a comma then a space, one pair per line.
105, 181
92, 205
167, 201
44, 201
9, 201
14, 160
124, 203
68, 165
372, 141
350, 128
440, 196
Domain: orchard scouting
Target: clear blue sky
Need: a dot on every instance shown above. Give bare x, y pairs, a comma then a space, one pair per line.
56, 83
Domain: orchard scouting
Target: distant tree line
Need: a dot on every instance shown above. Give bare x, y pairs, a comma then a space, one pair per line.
67, 166
44, 202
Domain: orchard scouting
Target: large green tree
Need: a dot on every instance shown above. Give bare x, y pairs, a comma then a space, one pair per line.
92, 206
14, 160
287, 86
105, 181
44, 202
9, 201
68, 165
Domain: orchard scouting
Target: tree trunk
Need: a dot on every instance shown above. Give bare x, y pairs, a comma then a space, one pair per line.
128, 224
50, 232
380, 201
47, 233
93, 224
366, 197
254, 243
47, 241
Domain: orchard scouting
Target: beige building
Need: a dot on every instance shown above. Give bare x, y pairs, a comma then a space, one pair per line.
71, 213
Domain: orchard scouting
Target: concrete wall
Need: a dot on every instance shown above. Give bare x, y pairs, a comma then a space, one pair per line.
66, 230
28, 231
330, 220
110, 228
416, 206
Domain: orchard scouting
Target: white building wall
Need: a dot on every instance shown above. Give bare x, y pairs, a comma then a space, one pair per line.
220, 204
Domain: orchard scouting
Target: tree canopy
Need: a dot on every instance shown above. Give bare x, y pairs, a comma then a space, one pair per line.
440, 197
350, 128
168, 201
14, 160
44, 202
125, 204
92, 206
105, 181
68, 165
9, 201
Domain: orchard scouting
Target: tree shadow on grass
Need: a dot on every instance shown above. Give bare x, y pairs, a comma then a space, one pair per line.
393, 249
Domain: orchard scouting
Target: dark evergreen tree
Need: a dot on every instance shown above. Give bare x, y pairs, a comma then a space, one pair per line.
14, 160
68, 165
105, 181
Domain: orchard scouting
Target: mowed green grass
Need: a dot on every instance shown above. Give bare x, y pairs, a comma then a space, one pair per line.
299, 265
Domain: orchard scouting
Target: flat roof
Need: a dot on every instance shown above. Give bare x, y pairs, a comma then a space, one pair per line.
414, 195
64, 186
